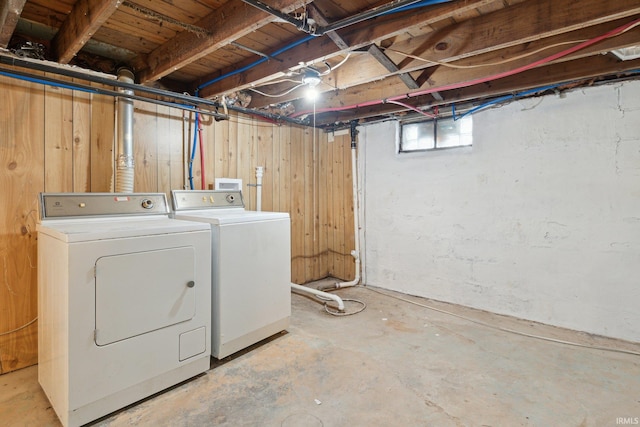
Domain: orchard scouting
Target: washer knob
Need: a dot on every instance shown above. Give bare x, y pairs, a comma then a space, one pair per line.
147, 203
230, 198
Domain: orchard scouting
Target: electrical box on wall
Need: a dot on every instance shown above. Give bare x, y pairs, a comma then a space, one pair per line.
231, 184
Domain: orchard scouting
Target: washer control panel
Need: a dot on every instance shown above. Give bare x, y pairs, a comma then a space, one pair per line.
206, 199
73, 205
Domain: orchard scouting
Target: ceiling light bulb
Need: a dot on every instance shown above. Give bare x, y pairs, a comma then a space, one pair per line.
312, 93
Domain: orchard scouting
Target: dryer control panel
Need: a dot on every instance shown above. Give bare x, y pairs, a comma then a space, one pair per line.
74, 205
206, 199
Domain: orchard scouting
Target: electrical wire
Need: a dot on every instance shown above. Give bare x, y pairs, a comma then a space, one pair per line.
500, 328
19, 328
502, 99
615, 32
277, 95
484, 64
410, 107
343, 313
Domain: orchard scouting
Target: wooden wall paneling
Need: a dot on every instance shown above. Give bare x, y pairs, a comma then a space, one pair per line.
308, 197
145, 146
329, 201
58, 144
220, 131
276, 167
321, 204
264, 140
284, 185
22, 161
187, 137
164, 142
102, 143
338, 209
208, 142
176, 146
253, 159
232, 148
208, 137
347, 197
81, 142
297, 205
243, 164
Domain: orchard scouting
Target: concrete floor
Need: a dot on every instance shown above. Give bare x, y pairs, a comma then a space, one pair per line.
394, 364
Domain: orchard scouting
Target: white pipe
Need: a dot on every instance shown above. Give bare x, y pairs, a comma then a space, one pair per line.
124, 159
316, 292
259, 173
354, 188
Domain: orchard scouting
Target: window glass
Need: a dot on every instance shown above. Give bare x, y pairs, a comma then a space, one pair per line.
434, 134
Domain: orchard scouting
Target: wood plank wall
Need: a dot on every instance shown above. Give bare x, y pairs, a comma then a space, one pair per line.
58, 140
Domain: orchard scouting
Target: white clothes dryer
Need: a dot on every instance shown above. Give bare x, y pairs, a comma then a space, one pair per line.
251, 267
124, 301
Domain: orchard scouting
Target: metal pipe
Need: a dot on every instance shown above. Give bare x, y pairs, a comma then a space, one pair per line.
193, 101
124, 157
371, 13
302, 25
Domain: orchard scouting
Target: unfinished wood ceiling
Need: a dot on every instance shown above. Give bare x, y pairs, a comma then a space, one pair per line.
370, 59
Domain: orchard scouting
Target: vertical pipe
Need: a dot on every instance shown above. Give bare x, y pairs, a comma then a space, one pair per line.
354, 188
259, 173
124, 159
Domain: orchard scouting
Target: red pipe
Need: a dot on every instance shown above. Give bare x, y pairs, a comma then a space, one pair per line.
459, 85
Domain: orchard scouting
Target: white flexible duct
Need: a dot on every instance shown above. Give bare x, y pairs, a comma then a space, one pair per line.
325, 295
124, 159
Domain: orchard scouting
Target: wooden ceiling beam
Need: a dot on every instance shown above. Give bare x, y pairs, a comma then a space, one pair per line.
502, 28
355, 78
391, 66
232, 21
86, 17
321, 48
317, 16
444, 76
10, 12
579, 69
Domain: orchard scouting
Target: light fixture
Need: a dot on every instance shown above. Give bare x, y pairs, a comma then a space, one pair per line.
311, 79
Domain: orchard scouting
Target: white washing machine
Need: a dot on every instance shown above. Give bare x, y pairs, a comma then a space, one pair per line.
124, 301
250, 266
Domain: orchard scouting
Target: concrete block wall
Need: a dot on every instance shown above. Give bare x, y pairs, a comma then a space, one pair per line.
540, 219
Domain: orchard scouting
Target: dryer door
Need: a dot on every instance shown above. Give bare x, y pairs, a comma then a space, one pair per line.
141, 292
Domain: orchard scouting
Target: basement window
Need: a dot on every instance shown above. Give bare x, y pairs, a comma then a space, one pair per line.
435, 134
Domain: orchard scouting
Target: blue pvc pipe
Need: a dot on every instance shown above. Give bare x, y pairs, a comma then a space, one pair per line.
308, 38
193, 150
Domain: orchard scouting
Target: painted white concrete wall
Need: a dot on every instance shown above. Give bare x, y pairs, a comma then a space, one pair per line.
540, 219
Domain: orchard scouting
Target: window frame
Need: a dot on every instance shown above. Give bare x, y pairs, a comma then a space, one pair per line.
435, 121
